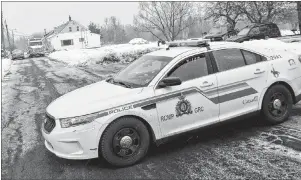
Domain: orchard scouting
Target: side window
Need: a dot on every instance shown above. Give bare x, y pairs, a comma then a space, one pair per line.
251, 58
190, 68
264, 29
254, 31
263, 58
227, 59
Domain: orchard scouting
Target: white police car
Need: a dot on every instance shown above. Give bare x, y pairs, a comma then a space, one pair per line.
168, 92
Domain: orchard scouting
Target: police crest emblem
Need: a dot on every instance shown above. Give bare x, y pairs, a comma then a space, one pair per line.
183, 106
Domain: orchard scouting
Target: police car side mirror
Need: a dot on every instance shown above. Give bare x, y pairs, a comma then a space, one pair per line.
169, 81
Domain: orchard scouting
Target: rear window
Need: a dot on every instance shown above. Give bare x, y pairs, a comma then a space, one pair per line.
227, 59
251, 58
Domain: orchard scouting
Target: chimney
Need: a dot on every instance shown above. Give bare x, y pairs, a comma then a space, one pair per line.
45, 31
69, 18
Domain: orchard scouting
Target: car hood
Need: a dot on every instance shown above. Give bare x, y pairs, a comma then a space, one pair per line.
36, 47
18, 53
208, 36
90, 99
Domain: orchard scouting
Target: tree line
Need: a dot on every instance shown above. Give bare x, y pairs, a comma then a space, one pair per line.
177, 20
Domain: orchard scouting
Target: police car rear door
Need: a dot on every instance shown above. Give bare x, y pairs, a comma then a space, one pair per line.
241, 80
193, 103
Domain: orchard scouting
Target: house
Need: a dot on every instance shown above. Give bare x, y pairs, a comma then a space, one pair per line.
71, 35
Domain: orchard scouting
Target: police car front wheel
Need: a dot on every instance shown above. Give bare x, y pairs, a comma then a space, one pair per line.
277, 104
125, 142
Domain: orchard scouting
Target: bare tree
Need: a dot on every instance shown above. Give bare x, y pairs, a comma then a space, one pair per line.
263, 11
112, 31
167, 18
229, 10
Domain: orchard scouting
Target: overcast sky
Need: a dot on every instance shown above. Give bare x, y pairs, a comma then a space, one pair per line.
31, 17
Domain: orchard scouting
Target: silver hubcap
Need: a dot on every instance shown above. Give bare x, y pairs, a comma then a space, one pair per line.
277, 104
126, 142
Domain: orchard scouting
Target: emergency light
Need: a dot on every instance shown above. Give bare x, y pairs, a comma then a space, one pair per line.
189, 43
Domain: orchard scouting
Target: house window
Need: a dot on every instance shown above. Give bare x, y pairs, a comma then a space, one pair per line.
70, 29
81, 39
67, 42
77, 28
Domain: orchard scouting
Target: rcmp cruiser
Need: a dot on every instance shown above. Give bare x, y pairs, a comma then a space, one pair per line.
168, 92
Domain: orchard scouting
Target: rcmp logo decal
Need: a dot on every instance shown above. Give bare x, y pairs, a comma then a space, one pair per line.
183, 107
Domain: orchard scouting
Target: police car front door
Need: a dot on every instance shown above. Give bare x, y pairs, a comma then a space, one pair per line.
189, 105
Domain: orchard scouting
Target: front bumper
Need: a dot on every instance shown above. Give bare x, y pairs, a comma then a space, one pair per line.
73, 143
36, 53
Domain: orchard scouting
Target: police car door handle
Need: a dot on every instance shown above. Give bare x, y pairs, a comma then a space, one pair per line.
258, 71
206, 84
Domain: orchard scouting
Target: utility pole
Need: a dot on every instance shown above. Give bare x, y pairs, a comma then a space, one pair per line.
2, 33
8, 38
299, 15
13, 38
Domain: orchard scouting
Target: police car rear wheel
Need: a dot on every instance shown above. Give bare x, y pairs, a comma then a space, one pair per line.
125, 142
277, 104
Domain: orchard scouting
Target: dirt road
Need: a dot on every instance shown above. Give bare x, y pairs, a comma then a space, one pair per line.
244, 149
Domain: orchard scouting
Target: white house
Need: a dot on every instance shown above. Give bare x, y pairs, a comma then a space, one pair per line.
71, 35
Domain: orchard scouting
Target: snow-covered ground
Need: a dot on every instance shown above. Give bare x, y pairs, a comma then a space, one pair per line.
121, 52
6, 63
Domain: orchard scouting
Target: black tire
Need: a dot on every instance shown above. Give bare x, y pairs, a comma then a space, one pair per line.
272, 115
108, 147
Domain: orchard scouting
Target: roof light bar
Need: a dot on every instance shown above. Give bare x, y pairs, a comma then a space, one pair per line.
189, 43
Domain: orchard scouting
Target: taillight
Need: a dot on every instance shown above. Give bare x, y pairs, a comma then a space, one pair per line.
299, 58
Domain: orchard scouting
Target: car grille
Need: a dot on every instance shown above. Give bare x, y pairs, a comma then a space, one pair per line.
49, 124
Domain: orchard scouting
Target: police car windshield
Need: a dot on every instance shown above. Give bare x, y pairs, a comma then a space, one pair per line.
142, 71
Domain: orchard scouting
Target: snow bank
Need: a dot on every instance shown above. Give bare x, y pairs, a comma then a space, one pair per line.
275, 44
125, 53
138, 41
288, 32
113, 53
6, 63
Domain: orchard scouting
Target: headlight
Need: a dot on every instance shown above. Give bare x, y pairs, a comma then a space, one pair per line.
75, 121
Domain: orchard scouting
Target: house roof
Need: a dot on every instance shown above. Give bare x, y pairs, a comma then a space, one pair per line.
61, 27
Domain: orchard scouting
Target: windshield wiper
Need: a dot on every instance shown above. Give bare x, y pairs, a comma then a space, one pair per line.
123, 84
119, 82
